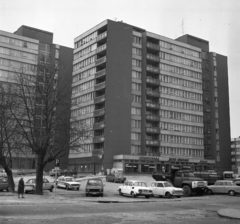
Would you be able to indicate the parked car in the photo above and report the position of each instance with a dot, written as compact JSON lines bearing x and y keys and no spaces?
{"x":115,"y":177}
{"x":53,"y":172}
{"x":26,"y":171}
{"x":3,"y":173}
{"x":224,"y":187}
{"x":69,"y":183}
{"x":4,"y":184}
{"x":165,"y":188}
{"x":30,"y":185}
{"x":135,"y":188}
{"x":94,"y":187}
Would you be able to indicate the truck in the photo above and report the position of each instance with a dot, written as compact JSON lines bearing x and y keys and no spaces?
{"x":185,"y":179}
{"x":212,"y":176}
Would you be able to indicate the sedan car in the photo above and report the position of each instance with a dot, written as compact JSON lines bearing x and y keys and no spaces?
{"x":94,"y":187}
{"x":30,"y":185}
{"x":224,"y":187}
{"x":4,"y":184}
{"x":69,"y":183}
{"x":166,"y":189}
{"x":115,"y":177}
{"x":135,"y":188}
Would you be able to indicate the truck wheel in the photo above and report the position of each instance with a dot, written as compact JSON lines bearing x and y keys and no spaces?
{"x":200,"y":193}
{"x":187,"y":191}
{"x":231,"y":193}
{"x":168,"y":195}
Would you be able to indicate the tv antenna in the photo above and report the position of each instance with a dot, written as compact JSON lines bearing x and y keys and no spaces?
{"x":182,"y":26}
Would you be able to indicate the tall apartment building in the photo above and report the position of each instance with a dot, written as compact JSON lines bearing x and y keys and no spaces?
{"x":150,"y":102}
{"x":235,"y":154}
{"x":26,"y":48}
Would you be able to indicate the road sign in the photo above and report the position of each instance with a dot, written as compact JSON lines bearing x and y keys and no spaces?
{"x":57,"y":162}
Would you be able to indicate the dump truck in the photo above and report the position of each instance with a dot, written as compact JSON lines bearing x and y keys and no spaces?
{"x":185,"y":179}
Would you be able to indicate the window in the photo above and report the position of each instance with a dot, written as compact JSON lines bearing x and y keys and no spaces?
{"x":136,"y":51}
{"x":137,"y":40}
{"x":136,"y":74}
{"x":136,"y":99}
{"x":136,"y":111}
{"x":136,"y":86}
{"x":135,"y":136}
{"x":136,"y":63}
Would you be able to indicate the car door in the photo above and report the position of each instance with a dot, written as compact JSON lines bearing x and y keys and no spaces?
{"x":45,"y":184}
{"x":123,"y":187}
{"x":219,"y":187}
{"x":153,"y":187}
{"x":160,"y":189}
{"x":129,"y":187}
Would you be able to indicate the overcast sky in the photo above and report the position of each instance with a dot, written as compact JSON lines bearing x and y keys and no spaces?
{"x":217,"y":21}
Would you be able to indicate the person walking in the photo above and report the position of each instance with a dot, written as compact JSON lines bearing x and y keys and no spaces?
{"x":21,"y":187}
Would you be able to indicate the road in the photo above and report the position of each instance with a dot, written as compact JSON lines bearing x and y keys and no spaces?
{"x":185,"y":210}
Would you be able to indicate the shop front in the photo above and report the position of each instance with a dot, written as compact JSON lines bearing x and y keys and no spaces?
{"x":148,"y":164}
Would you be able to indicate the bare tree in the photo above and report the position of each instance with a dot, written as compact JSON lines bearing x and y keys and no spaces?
{"x":45,"y":104}
{"x":10,"y":132}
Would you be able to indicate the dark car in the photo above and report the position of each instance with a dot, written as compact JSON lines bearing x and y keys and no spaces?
{"x":116,"y":177}
{"x":4,"y":184}
{"x":94,"y":187}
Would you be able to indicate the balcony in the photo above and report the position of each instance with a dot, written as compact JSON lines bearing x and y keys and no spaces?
{"x":153,"y":46}
{"x":99,"y":112}
{"x":101,"y":61}
{"x":99,"y":86}
{"x":102,"y":48}
{"x":152,"y":142}
{"x":153,"y":105}
{"x":153,"y":57}
{"x":97,"y":152}
{"x":99,"y":99}
{"x":100,"y":73}
{"x":153,"y":69}
{"x":99,"y":125}
{"x":152,"y":117}
{"x":152,"y":130}
{"x":153,"y":81}
{"x":97,"y":139}
{"x":101,"y":36}
{"x":153,"y":93}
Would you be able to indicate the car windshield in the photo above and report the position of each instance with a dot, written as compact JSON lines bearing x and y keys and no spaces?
{"x":167,"y":184}
{"x":69,"y":179}
{"x":140,"y":184}
{"x":188,"y":175}
{"x":94,"y":182}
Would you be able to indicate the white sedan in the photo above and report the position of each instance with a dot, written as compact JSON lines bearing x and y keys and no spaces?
{"x":68,"y":183}
{"x":166,"y":189}
{"x":30,"y":185}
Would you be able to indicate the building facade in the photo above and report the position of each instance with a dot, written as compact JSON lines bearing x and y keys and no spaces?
{"x":150,"y":102}
{"x":25,"y":49}
{"x":235,"y":154}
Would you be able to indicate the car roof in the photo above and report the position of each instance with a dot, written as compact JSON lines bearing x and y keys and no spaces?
{"x":136,"y":181}
{"x":160,"y":182}
{"x":224,"y":181}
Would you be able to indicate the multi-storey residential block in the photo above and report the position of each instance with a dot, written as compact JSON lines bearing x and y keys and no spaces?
{"x":235,"y":154}
{"x":24,"y":50}
{"x":150,"y":102}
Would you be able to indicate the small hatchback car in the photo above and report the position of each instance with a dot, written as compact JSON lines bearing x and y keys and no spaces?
{"x":94,"y":187}
{"x":135,"y":188}
{"x":224,"y":187}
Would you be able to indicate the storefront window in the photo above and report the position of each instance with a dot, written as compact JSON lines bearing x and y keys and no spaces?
{"x":131,"y":167}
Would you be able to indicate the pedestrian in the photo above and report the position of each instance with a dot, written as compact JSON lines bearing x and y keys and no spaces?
{"x":21,"y":187}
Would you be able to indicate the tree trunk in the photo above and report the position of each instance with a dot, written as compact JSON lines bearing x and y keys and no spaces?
{"x":10,"y":179}
{"x":39,"y":175}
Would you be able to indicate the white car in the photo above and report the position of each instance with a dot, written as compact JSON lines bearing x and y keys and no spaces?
{"x":165,"y":188}
{"x":69,"y":183}
{"x":135,"y":188}
{"x":30,"y":185}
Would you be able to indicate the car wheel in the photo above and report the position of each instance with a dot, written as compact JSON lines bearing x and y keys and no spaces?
{"x":26,"y":192}
{"x":51,"y":189}
{"x":78,"y":189}
{"x":120,"y":193}
{"x":86,"y":195}
{"x":187,"y":190}
{"x":67,"y":188}
{"x":231,"y":193}
{"x":168,"y":195}
{"x":178,"y":196}
{"x":133,"y":195}
{"x":114,"y":181}
{"x":7,"y":189}
{"x":209,"y":192}
{"x":101,"y":195}
{"x":146,"y":196}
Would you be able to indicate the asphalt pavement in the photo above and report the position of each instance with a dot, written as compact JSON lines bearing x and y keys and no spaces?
{"x":8,"y":198}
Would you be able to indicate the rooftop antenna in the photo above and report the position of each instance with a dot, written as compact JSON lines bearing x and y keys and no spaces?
{"x":182,"y":26}
{"x":115,"y":19}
